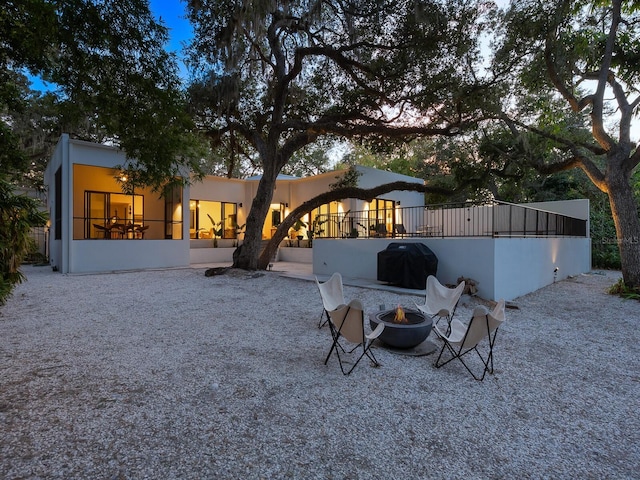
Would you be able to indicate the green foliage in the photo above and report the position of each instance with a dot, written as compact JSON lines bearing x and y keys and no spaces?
{"x":31,"y":127}
{"x":112,"y":77}
{"x":18,"y":214}
{"x":348,"y":179}
{"x":312,"y":159}
{"x":299,"y":225}
{"x":315,"y":230}
{"x":394,"y":156}
{"x":604,"y":244}
{"x":217,"y":229}
{"x":294,"y":73}
{"x":625,"y":291}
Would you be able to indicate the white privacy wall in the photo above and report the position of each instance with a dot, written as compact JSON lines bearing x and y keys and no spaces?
{"x":504,"y":267}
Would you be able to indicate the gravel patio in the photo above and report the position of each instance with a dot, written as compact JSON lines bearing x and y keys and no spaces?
{"x":173,"y":375}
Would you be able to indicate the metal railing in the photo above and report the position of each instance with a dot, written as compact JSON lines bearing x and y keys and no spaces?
{"x":470,"y":219}
{"x":99,"y":228}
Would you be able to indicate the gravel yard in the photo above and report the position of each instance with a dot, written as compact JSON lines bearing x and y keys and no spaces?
{"x":173,"y":375}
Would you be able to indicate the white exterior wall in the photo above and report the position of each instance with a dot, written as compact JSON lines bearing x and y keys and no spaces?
{"x":210,"y":255}
{"x":373,"y":178}
{"x":218,"y":189}
{"x":295,"y":255}
{"x":524,"y":265}
{"x":82,"y":256}
{"x":504,"y":267}
{"x":571,"y":208}
{"x":117,"y":255}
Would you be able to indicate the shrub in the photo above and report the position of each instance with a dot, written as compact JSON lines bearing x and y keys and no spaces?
{"x":621,"y":289}
{"x":18,"y":214}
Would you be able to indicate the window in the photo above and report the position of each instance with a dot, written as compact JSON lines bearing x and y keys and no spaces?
{"x":381,"y":216}
{"x":113,"y":215}
{"x":321,"y":225}
{"x":102,"y":211}
{"x":212,"y":219}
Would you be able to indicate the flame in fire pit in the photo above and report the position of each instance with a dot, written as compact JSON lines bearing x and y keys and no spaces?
{"x":400,"y":317}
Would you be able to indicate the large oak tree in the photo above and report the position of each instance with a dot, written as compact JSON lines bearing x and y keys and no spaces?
{"x":282,"y":74}
{"x":583,"y":54}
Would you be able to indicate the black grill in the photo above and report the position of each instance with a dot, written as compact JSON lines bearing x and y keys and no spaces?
{"x":407,"y":265}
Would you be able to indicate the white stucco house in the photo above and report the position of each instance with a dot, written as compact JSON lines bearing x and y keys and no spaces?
{"x":96,"y":227}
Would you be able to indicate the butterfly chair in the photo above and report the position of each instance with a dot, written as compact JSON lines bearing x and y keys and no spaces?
{"x":441,"y":301}
{"x":347,"y":322}
{"x":332,"y":296}
{"x":463,"y":339}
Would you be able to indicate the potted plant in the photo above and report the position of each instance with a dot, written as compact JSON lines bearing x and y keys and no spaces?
{"x":217,"y":230}
{"x":315,"y":230}
{"x":297,"y":229}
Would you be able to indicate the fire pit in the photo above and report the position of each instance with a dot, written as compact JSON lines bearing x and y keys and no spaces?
{"x":405,"y":329}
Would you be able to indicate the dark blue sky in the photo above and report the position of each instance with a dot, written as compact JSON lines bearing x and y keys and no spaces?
{"x":172,"y":13}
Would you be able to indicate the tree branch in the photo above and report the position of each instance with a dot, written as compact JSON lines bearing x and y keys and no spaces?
{"x":576,"y":105}
{"x":597,"y":122}
{"x":572,"y":146}
{"x":576,"y":160}
{"x":336,"y":195}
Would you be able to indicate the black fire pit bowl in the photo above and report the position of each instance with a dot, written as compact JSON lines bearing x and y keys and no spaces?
{"x":402,"y":335}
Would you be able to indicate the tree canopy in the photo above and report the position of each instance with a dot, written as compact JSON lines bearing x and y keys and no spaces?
{"x":110,"y":76}
{"x":281,"y":75}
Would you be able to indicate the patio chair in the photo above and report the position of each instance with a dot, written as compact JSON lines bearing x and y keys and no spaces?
{"x":104,"y":230}
{"x":140,"y":230}
{"x":463,"y":339}
{"x":440,"y":301}
{"x":332,"y":295}
{"x":347,"y":322}
{"x":381,"y":230}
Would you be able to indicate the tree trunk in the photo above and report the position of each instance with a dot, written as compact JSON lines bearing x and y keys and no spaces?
{"x":625,"y":217}
{"x":270,"y":250}
{"x":246,"y":256}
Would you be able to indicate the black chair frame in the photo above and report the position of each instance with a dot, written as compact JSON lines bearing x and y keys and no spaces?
{"x":460,"y":352}
{"x":366,"y":347}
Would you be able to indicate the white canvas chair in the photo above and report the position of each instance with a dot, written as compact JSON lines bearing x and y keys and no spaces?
{"x":347,"y":322}
{"x":332,"y":295}
{"x":440,"y":301}
{"x":463,"y":339}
